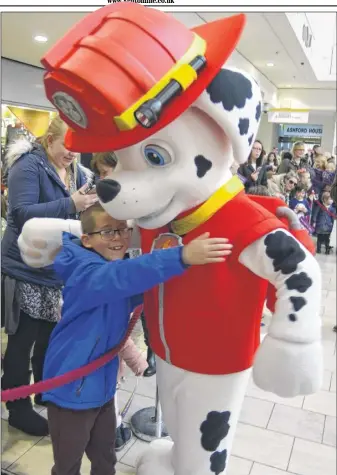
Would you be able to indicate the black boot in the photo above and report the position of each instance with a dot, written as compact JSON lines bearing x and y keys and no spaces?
{"x":123,"y":436}
{"x":151,"y":360}
{"x":23,"y":417}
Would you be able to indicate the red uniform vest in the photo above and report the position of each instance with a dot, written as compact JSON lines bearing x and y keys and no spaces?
{"x":210,"y":316}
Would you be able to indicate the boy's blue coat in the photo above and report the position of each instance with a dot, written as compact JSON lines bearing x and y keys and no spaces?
{"x":98,"y":299}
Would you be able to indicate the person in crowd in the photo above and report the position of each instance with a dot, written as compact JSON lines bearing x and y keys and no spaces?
{"x":304,"y":178}
{"x":259,"y":190}
{"x":283,"y":185}
{"x":323,"y":218}
{"x":272,"y":161}
{"x":250,"y":170}
{"x":285,"y":155}
{"x":316,"y":150}
{"x":334,"y":190}
{"x":317,"y":176}
{"x":44,"y":181}
{"x":296,"y":162}
{"x":299,"y":204}
{"x":329,"y":173}
{"x":333,"y":195}
{"x":101,"y":288}
{"x":103,"y":164}
{"x":275,"y":151}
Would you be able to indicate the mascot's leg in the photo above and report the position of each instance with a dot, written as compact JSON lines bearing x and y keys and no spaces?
{"x":201,"y":413}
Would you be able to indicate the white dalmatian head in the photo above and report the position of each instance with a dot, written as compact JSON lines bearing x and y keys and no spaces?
{"x":182,"y":165}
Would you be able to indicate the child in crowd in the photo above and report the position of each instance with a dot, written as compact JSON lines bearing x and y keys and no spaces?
{"x":299,"y":203}
{"x":323,"y":221}
{"x":329,"y":174}
{"x":102,"y":164}
{"x":101,"y":289}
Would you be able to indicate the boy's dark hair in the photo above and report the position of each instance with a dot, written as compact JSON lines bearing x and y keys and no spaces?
{"x":88,"y":220}
{"x":299,"y":188}
{"x":108,"y":159}
{"x":287,"y":156}
{"x":260,"y":190}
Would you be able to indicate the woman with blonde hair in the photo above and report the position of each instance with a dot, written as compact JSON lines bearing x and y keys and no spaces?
{"x":44,"y":180}
{"x":297,"y":161}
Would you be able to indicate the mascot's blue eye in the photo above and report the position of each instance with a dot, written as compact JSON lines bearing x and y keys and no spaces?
{"x":157,"y":156}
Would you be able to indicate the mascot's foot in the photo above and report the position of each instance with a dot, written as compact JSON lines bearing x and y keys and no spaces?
{"x":156,"y":459}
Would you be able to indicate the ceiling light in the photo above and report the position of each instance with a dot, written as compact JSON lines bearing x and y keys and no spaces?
{"x":270,"y":65}
{"x":40,"y":38}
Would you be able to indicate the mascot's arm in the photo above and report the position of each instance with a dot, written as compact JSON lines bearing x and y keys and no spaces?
{"x":289,"y":361}
{"x":291,"y":219}
{"x":41,"y":239}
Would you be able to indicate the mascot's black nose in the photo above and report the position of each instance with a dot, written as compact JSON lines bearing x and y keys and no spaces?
{"x":107,"y":190}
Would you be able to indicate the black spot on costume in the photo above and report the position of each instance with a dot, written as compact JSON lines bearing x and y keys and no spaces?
{"x":243,"y":126}
{"x":258,"y":112}
{"x":203,"y":165}
{"x":298,"y":303}
{"x":214,"y":429}
{"x":218,"y":462}
{"x":292,"y":317}
{"x":250,"y":140}
{"x":285,"y":252}
{"x":230,"y":88}
{"x":300,"y":282}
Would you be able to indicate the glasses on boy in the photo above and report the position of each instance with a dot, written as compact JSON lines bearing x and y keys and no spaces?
{"x":110,"y":234}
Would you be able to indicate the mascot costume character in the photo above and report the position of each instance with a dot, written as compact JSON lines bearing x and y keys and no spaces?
{"x":136,"y":81}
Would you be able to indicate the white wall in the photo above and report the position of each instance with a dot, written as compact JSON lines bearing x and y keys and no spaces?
{"x":23,"y":85}
{"x":313,"y":99}
{"x":328,"y":120}
{"x":267,"y":133}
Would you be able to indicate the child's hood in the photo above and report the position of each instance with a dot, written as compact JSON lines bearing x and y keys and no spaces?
{"x":72,"y":256}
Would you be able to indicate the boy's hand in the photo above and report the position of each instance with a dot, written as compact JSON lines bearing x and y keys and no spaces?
{"x":206,"y":250}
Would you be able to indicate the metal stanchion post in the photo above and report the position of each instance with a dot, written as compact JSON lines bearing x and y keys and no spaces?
{"x":147,"y":424}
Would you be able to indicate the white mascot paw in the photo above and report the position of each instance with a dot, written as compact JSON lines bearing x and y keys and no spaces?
{"x":41,"y":239}
{"x":156,"y":459}
{"x":288,"y":369}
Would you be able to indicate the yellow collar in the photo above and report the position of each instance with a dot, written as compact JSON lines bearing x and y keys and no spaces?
{"x":202,"y":214}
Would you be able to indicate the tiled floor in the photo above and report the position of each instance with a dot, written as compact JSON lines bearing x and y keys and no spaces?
{"x":275,"y":436}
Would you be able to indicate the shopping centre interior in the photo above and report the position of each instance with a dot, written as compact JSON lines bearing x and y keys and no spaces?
{"x":292,"y":57}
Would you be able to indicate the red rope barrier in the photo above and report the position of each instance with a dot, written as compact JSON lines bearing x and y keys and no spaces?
{"x":332,"y":215}
{"x":44,"y":386}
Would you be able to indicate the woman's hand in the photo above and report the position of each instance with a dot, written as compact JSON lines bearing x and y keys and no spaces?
{"x":83,"y":201}
{"x":254,"y":176}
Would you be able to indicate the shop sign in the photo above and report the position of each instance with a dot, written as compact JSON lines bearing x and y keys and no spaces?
{"x":291,"y":116}
{"x":298,"y":130}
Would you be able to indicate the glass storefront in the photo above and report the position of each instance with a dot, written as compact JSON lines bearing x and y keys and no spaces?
{"x":20,"y":122}
{"x":309,"y":134}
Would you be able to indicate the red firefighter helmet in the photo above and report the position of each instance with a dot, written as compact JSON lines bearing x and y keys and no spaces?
{"x":126,"y":71}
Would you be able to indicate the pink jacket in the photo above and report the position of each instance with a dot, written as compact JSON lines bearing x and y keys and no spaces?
{"x":130,"y":355}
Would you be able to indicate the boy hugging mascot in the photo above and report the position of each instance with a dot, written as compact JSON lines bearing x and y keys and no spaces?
{"x":136,"y":81}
